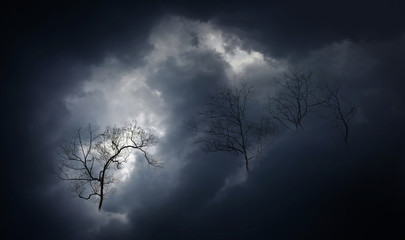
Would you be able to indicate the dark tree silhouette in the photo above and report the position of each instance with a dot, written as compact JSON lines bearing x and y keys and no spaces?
{"x":342,"y":110}
{"x":225,"y":124}
{"x":298,"y":95}
{"x":89,"y":160}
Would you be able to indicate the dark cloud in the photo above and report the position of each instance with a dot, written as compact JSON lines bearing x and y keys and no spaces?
{"x":65,"y":65}
{"x":293,"y":27}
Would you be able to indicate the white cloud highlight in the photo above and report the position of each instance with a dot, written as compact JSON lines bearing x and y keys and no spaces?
{"x":115,"y":94}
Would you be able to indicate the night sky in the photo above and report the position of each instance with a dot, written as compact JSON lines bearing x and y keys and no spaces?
{"x":67,"y":65}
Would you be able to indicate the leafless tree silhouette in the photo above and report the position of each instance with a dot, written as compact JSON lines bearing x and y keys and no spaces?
{"x":225,"y":125}
{"x":298,"y":95}
{"x":89,"y":160}
{"x":342,"y":110}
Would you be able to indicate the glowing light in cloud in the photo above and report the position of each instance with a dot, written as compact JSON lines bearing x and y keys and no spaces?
{"x":114,"y":94}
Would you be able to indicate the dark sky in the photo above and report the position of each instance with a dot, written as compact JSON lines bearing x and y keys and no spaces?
{"x":66,"y":65}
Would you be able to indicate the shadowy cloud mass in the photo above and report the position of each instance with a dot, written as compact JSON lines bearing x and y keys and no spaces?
{"x":68,"y":65}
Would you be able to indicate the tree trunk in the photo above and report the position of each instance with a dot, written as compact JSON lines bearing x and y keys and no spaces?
{"x":246,"y":163}
{"x":346,"y":132}
{"x":101,"y":192}
{"x":101,"y":202}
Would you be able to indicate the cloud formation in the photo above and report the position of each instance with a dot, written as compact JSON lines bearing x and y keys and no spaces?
{"x":305,"y":185}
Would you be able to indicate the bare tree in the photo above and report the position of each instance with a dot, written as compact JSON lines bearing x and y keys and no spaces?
{"x":225,"y":125}
{"x":89,"y":160}
{"x":298,"y":95}
{"x":342,"y":110}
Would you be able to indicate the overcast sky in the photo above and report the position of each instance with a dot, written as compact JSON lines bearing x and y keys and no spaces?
{"x":156,"y":62}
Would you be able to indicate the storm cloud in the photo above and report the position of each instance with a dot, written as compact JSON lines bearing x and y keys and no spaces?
{"x":157,"y":63}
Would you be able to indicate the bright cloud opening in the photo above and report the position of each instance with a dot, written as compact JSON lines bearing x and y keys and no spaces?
{"x":115,"y":94}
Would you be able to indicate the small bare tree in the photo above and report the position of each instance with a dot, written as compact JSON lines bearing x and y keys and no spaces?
{"x":89,"y":160}
{"x":225,"y":125}
{"x":342,"y":110}
{"x":298,"y":95}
